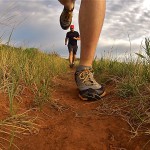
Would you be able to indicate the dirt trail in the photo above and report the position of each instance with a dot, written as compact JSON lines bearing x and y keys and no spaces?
{"x":71,"y":124}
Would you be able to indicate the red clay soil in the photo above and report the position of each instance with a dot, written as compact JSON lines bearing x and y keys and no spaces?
{"x":71,"y":124}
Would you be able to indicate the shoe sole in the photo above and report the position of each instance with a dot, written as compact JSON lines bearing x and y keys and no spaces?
{"x":61,"y":24}
{"x":86,"y":99}
{"x":64,"y":27}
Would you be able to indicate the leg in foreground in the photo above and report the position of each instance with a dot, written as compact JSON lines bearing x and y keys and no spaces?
{"x":91,"y":17}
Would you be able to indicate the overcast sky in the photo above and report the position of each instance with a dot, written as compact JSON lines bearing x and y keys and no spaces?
{"x":36,"y":24}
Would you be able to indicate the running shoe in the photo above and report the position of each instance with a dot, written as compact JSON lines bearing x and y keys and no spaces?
{"x":89,"y":89}
{"x":66,"y":17}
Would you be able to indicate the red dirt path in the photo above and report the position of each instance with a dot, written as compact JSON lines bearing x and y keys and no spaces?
{"x":71,"y":124}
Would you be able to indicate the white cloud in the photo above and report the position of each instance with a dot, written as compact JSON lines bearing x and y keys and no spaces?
{"x":40,"y":26}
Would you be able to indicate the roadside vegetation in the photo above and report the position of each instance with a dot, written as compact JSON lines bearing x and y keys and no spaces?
{"x":20,"y":68}
{"x":130,"y":81}
{"x":32,"y":72}
{"x":24,"y":71}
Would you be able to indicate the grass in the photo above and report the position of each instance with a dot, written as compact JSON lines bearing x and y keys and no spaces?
{"x":132,"y":77}
{"x":30,"y":68}
{"x":131,"y":84}
{"x":22,"y":69}
{"x":34,"y":70}
{"x":12,"y":127}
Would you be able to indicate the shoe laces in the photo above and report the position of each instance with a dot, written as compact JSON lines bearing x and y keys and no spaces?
{"x":86,"y":77}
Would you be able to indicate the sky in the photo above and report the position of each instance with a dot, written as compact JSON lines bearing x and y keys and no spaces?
{"x":35,"y":23}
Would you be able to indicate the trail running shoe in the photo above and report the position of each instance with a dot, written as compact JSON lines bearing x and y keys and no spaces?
{"x":66,"y":18}
{"x":89,"y":89}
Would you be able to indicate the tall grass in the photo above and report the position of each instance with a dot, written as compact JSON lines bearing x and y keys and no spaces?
{"x":25,"y":69}
{"x":131,"y":83}
{"x":20,"y":68}
{"x":132,"y":77}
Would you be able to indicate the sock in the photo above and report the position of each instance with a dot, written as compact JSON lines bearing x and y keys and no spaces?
{"x":80,"y":68}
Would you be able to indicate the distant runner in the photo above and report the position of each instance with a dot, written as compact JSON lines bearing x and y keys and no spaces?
{"x":72,"y":37}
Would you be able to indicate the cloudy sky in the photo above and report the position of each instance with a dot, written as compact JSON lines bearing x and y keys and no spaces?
{"x":36,"y":24}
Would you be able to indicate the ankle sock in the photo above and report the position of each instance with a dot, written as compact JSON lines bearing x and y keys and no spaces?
{"x":80,"y":67}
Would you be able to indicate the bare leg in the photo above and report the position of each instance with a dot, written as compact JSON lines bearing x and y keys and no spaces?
{"x":74,"y":57}
{"x":91,"y":17}
{"x":71,"y":57}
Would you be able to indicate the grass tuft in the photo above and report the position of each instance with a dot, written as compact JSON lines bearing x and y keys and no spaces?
{"x":131,"y":81}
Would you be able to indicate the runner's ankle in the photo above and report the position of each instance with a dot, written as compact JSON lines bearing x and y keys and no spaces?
{"x":81,"y":67}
